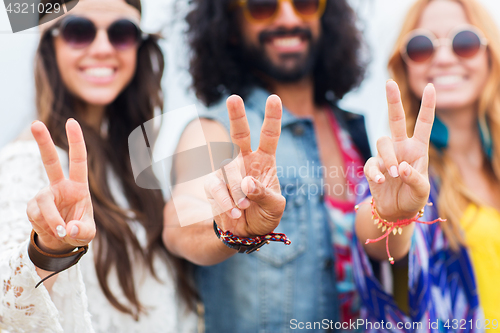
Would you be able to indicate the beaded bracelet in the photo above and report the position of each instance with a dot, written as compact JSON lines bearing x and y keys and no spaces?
{"x":248,"y":245}
{"x":394,"y":227}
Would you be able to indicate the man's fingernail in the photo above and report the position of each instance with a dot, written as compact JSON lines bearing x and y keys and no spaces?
{"x":378,"y":178}
{"x":243,"y":203}
{"x":394,"y":171}
{"x":251,"y":186}
{"x":74,"y":231}
{"x":61,"y":231}
{"x":235,"y":213}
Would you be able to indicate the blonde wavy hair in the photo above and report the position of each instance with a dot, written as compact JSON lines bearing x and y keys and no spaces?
{"x":454,"y":196}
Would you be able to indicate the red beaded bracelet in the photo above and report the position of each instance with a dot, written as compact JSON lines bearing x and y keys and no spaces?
{"x":394,"y":227}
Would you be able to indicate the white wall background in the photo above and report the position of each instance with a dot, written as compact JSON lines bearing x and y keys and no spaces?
{"x":381,"y":19}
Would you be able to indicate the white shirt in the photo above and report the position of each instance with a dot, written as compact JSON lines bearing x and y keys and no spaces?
{"x":76,"y":302}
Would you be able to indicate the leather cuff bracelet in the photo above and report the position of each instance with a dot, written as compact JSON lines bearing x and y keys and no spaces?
{"x":248,"y":245}
{"x":53,"y":262}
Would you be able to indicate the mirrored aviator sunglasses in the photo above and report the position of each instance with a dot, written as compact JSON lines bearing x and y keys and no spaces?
{"x":80,"y":32}
{"x":266,"y":10}
{"x":466,"y":42}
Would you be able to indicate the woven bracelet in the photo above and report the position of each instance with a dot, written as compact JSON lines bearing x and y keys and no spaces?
{"x":247,"y":244}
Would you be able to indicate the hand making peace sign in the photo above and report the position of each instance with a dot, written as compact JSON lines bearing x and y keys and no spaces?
{"x":61,"y":214}
{"x":398,"y":175}
{"x":257,"y":192}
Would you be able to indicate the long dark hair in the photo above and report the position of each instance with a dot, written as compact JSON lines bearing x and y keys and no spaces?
{"x":136,"y":104}
{"x":218,"y":66}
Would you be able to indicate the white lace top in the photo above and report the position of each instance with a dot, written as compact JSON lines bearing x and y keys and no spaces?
{"x":76,"y":302}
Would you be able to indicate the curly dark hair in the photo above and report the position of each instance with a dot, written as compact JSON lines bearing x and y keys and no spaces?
{"x":218,"y":66}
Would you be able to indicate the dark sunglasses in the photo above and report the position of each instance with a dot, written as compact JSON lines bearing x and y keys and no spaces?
{"x":80,"y":32}
{"x":466,"y":42}
{"x":266,"y":10}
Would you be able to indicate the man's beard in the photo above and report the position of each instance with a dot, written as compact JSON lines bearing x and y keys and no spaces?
{"x":257,"y":59}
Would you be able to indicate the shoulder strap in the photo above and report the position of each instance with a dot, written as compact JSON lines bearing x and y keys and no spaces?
{"x":355,"y":125}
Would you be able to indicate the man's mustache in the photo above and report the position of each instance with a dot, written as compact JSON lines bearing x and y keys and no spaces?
{"x":267,"y":35}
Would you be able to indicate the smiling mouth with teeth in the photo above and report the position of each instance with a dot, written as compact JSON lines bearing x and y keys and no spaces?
{"x":287,"y":41}
{"x":447,"y":80}
{"x":99,"y":72}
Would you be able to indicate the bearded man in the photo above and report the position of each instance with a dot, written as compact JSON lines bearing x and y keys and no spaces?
{"x":308,"y":53}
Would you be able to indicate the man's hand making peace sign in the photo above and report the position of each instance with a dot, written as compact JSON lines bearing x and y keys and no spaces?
{"x":245,"y":199}
{"x":253,"y":204}
{"x":398,"y":175}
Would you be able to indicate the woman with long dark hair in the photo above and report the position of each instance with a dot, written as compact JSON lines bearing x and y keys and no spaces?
{"x":94,"y":65}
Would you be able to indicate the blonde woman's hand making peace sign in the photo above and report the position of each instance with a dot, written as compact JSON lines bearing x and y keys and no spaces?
{"x":398,"y":175}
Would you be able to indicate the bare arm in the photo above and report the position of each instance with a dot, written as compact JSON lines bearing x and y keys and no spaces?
{"x":366,"y":229}
{"x":197,"y":242}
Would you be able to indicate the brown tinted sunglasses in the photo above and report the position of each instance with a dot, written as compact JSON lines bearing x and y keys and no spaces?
{"x":267,"y":10}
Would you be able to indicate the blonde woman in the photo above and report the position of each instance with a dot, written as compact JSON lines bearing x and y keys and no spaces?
{"x":451,"y":266}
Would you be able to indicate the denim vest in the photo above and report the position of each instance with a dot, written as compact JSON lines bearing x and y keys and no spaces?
{"x":275,"y":289}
